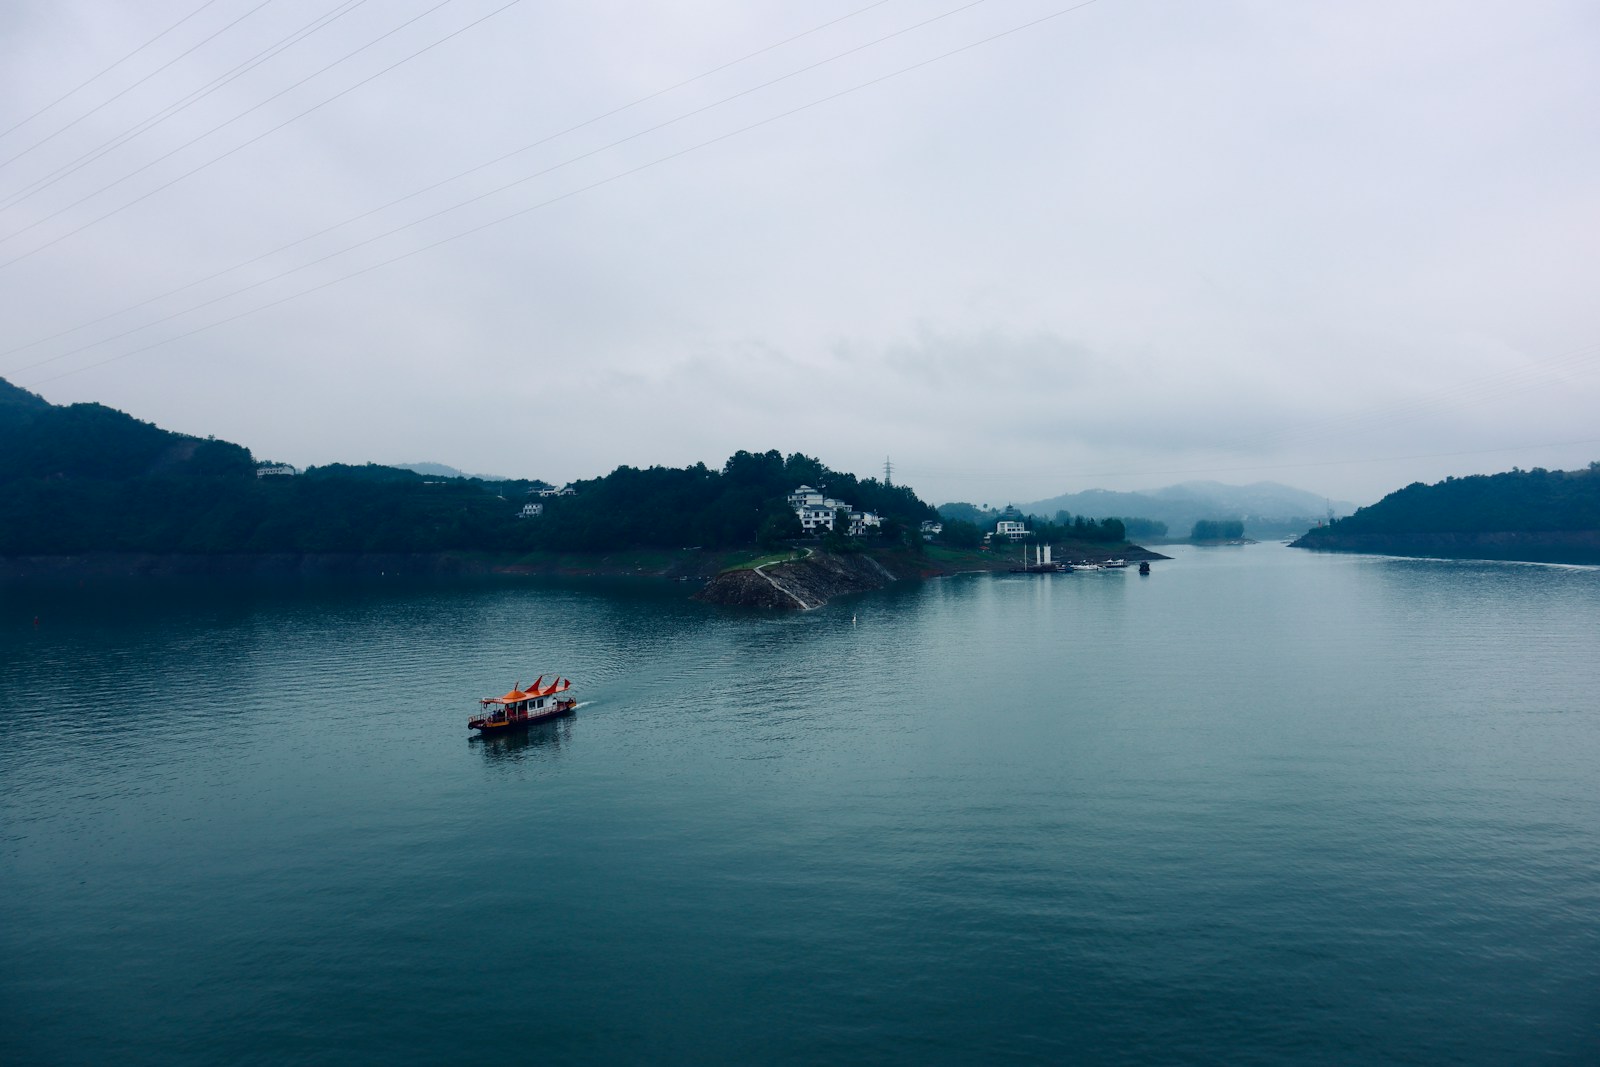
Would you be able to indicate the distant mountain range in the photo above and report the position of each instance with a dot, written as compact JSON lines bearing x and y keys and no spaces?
{"x":440,"y":470}
{"x":1267,"y":509}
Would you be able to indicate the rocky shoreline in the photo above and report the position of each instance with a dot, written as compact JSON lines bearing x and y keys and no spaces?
{"x":804,"y":584}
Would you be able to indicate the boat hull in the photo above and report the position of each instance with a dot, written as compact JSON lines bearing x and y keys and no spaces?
{"x":490,"y":726}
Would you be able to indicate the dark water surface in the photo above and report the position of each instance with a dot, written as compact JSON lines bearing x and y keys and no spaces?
{"x":1262,"y":806}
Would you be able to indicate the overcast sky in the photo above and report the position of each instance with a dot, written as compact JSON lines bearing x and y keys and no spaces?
{"x":1343,"y":246}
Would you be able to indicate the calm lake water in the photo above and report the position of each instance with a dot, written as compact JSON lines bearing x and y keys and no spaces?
{"x":1262,"y":806}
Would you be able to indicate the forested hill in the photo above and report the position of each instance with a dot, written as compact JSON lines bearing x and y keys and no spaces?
{"x":91,"y":441}
{"x":743,"y":503}
{"x":1534,"y":515}
{"x":87,"y":478}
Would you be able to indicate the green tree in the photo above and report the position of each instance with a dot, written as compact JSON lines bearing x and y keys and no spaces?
{"x":958,"y":533}
{"x":1217,"y":530}
{"x":838,"y":539}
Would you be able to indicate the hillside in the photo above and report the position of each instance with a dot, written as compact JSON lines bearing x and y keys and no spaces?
{"x":86,"y":478}
{"x":40,"y":440}
{"x":1537,"y":515}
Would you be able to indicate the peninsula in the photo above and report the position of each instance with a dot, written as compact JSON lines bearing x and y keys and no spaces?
{"x":1537,"y":515}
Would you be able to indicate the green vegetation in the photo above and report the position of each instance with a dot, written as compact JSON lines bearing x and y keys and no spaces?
{"x":958,"y":533}
{"x":87,"y":478}
{"x":744,"y":561}
{"x":1143,"y":530}
{"x":743,"y":503}
{"x":1217,"y":530}
{"x":963,"y":522}
{"x":1105,"y":531}
{"x":1516,"y":501}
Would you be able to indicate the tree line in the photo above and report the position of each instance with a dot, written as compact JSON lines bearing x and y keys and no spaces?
{"x":1516,"y":500}
{"x":86,"y":478}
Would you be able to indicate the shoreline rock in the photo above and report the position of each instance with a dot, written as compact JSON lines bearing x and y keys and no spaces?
{"x":809,"y":583}
{"x":803,"y":584}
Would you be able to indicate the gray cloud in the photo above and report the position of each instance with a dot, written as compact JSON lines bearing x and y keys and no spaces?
{"x":1134,"y":242}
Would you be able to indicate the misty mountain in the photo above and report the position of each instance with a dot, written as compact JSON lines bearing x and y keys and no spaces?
{"x":1268,"y":509}
{"x":440,"y":470}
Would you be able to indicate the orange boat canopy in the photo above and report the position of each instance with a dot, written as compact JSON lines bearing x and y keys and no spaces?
{"x":533,"y":691}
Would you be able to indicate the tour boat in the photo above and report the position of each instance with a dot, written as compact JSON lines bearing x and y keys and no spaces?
{"x":521,"y":708}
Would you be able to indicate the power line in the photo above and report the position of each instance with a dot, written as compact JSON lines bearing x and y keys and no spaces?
{"x":652,"y":129}
{"x":251,"y":141}
{"x":502,"y":188}
{"x":436,"y":185}
{"x":84,"y":84}
{"x":283,"y":44}
{"x":1031,"y":24}
{"x":117,"y":96}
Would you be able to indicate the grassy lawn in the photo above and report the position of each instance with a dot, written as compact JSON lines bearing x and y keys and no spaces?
{"x":749,"y":559}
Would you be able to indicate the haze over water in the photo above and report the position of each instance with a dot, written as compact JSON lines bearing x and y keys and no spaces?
{"x":1261,"y":806}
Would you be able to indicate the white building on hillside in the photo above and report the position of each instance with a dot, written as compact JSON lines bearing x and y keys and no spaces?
{"x":1010,"y":530}
{"x":817,"y":510}
{"x":861,"y":521}
{"x":814,"y":518}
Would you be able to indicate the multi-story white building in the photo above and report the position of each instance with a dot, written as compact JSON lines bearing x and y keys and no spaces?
{"x":1010,"y":530}
{"x":815,"y":518}
{"x":817,"y":510}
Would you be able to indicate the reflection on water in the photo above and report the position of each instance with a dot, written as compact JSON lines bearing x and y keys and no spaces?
{"x":541,"y":740}
{"x":1261,"y":807}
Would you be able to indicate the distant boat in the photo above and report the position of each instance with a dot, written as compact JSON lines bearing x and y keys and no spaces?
{"x":520,"y":708}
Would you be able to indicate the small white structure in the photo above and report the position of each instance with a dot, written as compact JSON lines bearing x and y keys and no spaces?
{"x":1010,"y":530}
{"x":531,"y":510}
{"x":861,"y":520}
{"x":276,"y":470}
{"x":931,"y":529}
{"x":565,"y":490}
